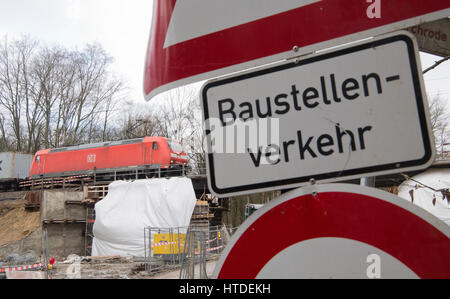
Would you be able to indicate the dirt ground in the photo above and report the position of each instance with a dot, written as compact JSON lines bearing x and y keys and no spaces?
{"x":115,"y":268}
{"x":19,"y":222}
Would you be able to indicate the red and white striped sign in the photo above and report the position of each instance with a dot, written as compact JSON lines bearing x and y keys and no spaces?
{"x":196,"y":40}
{"x":20,"y":268}
{"x":338,"y":231}
{"x":165,"y":243}
{"x":211,"y":249}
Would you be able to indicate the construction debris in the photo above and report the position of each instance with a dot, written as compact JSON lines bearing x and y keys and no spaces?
{"x":98,"y":267}
{"x":61,"y":220}
{"x":23,"y":259}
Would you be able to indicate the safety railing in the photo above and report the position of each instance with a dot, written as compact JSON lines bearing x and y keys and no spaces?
{"x":164,"y":248}
{"x":185,"y":248}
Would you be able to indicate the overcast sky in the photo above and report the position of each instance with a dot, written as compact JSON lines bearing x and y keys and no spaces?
{"x":122,"y":27}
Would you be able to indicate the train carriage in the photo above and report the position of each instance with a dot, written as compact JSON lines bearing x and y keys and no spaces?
{"x":148,"y":152}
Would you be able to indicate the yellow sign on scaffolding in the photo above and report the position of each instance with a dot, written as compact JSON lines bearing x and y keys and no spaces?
{"x":168,"y":243}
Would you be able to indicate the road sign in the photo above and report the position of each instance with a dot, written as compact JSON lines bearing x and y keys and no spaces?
{"x":343,"y":114}
{"x":433,"y":37}
{"x":338,"y":231}
{"x":196,"y":40}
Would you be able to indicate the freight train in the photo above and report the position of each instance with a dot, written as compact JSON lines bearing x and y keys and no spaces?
{"x":14,"y":168}
{"x":141,"y":155}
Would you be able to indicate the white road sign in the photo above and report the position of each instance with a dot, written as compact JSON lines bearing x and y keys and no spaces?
{"x":433,"y":37}
{"x":347,"y":113}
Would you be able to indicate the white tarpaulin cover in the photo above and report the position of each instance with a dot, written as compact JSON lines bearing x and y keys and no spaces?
{"x":129,"y":207}
{"x":419,"y":190}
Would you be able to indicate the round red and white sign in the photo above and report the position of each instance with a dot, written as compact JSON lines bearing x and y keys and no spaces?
{"x":338,"y":231}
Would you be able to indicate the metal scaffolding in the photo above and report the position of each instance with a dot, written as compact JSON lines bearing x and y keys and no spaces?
{"x":45,"y":251}
{"x":88,"y":233}
{"x":164,"y":248}
{"x":184,"y":248}
{"x":202,"y":245}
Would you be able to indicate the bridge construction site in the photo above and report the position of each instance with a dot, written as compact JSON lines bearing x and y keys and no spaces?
{"x":48,"y":228}
{"x":59,"y":220}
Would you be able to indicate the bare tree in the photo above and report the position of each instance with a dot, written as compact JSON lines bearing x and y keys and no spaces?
{"x":47,"y":72}
{"x":86,"y":93}
{"x":175,"y":115}
{"x":177,"y":111}
{"x":439,"y":124}
{"x":139,"y":121}
{"x":4,"y":142}
{"x":109,"y":103}
{"x":181,"y":120}
{"x":16,"y":85}
{"x":52,"y":97}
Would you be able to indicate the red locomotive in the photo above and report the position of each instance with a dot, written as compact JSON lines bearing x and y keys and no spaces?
{"x":142,"y":153}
